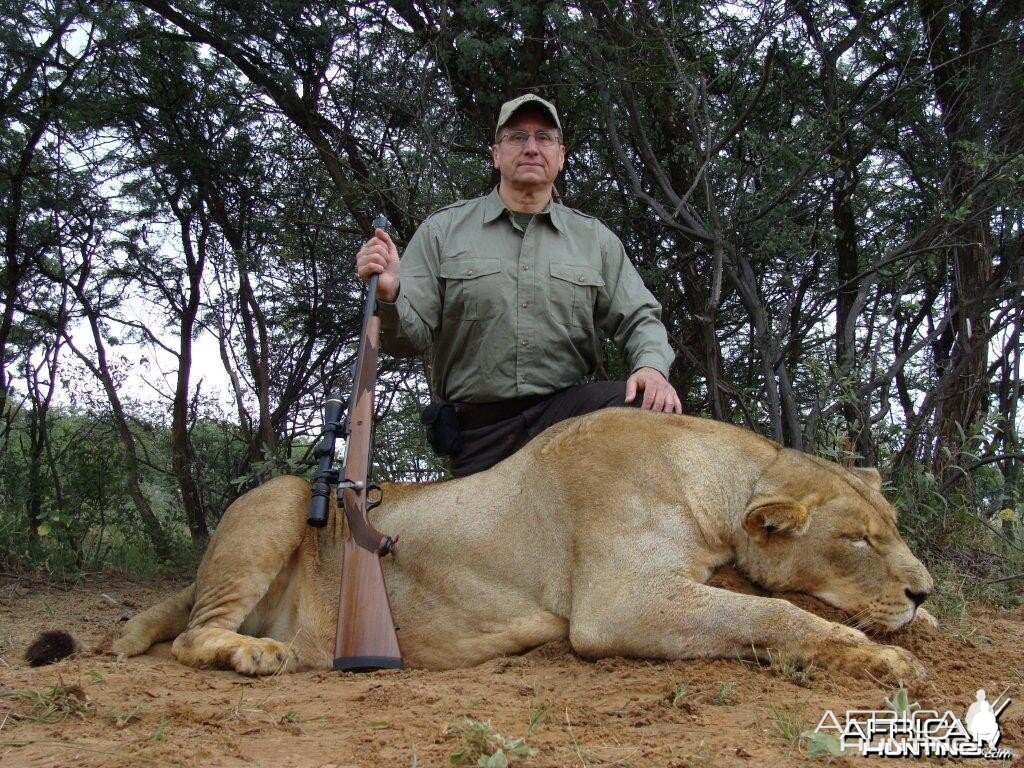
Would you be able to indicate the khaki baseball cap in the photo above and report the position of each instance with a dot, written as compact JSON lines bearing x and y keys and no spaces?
{"x":509,"y":108}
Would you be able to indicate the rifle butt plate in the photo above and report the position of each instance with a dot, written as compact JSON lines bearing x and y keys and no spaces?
{"x":367,"y":663}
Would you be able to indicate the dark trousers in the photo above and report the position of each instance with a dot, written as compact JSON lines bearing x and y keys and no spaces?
{"x":486,"y":442}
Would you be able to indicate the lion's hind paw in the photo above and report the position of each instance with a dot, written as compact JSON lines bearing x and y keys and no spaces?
{"x":125,"y":646}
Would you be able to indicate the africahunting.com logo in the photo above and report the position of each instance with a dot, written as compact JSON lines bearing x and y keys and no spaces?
{"x":906,"y":730}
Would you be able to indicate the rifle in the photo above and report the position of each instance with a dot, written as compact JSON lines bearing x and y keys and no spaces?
{"x":367,"y":637}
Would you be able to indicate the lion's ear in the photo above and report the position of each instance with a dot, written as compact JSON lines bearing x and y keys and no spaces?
{"x":766,"y":516}
{"x":869,"y":475}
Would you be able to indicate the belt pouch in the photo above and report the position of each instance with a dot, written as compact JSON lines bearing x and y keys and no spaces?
{"x":442,"y":424}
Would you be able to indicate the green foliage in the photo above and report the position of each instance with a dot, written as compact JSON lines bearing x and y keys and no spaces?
{"x":218,"y":453}
{"x":874,"y":189}
{"x":484,"y":747}
{"x":725,"y":694}
{"x":899,"y":702}
{"x":967,"y":539}
{"x":787,"y":723}
{"x":790,"y":726}
{"x":821,"y":744}
{"x":50,"y":705}
{"x":84,"y":518}
{"x":402,"y":452}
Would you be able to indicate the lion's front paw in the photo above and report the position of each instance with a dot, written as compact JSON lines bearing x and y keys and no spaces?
{"x":888,"y":664}
{"x":263,"y":656}
{"x":893,"y":664}
{"x":924,"y":618}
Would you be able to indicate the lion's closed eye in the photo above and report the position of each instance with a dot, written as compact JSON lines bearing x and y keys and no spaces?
{"x":857,"y":539}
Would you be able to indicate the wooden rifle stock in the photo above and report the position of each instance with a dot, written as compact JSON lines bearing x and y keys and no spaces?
{"x":366,"y":637}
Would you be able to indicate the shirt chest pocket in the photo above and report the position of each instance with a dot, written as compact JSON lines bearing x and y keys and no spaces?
{"x":472,"y":288}
{"x":574,"y":290}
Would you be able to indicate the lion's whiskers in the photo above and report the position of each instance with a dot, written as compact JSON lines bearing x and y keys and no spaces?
{"x":861,"y":619}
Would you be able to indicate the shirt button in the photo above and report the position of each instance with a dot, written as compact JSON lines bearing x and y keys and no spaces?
{"x":526,"y":267}
{"x":526,"y":343}
{"x":578,"y":277}
{"x":469,"y":271}
{"x":525,"y":305}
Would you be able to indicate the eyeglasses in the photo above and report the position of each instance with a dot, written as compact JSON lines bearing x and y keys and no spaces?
{"x":519,"y":139}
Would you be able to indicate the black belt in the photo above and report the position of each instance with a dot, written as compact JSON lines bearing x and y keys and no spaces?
{"x":479,"y":415}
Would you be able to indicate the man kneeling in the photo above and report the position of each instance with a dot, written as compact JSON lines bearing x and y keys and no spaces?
{"x":511,"y":291}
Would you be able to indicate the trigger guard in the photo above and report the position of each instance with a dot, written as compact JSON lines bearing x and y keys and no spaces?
{"x":371,"y":503}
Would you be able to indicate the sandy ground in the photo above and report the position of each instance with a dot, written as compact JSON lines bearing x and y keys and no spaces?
{"x":153,"y":711}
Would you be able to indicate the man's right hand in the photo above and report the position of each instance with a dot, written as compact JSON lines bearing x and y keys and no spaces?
{"x":379,"y":256}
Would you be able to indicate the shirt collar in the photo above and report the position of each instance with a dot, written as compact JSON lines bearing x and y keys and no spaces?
{"x":495,"y":207}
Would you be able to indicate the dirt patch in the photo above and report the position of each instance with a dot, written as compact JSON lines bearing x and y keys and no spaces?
{"x":94,"y":711}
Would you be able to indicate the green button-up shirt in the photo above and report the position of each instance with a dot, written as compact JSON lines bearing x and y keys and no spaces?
{"x":509,"y":313}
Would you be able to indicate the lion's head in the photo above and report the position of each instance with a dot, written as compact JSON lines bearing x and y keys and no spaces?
{"x":815,"y":527}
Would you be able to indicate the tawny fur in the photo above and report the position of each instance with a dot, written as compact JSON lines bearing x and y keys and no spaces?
{"x":603,"y":530}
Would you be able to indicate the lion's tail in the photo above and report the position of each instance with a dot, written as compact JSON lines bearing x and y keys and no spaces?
{"x":164,"y":621}
{"x":51,"y":647}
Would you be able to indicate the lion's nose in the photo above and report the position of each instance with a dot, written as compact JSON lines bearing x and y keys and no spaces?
{"x":916,"y":597}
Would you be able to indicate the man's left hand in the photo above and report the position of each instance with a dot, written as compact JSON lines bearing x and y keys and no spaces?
{"x":659,"y":395}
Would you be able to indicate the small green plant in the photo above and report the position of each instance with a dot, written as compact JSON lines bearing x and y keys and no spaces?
{"x":484,"y":747}
{"x":726,"y":694}
{"x":293,"y":720}
{"x":537,"y":716}
{"x":52,"y":705}
{"x":790,"y":727}
{"x":899,"y":702}
{"x":820,"y":744}
{"x":241,"y":711}
{"x":161,"y":730}
{"x":787,"y":724}
{"x":681,"y":694}
{"x":791,"y":669}
{"x":120,"y":719}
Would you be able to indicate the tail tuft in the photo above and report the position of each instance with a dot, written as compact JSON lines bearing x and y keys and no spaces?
{"x":50,"y":647}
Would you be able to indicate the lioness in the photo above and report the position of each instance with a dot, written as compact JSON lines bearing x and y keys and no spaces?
{"x":602,"y":530}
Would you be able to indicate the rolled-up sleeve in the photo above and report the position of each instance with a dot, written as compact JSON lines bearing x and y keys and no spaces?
{"x":630,"y":315}
{"x":409,"y":325}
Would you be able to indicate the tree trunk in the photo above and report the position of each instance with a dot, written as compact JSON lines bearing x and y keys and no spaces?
{"x":963,"y":390}
{"x":101,"y":370}
{"x":182,"y":458}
